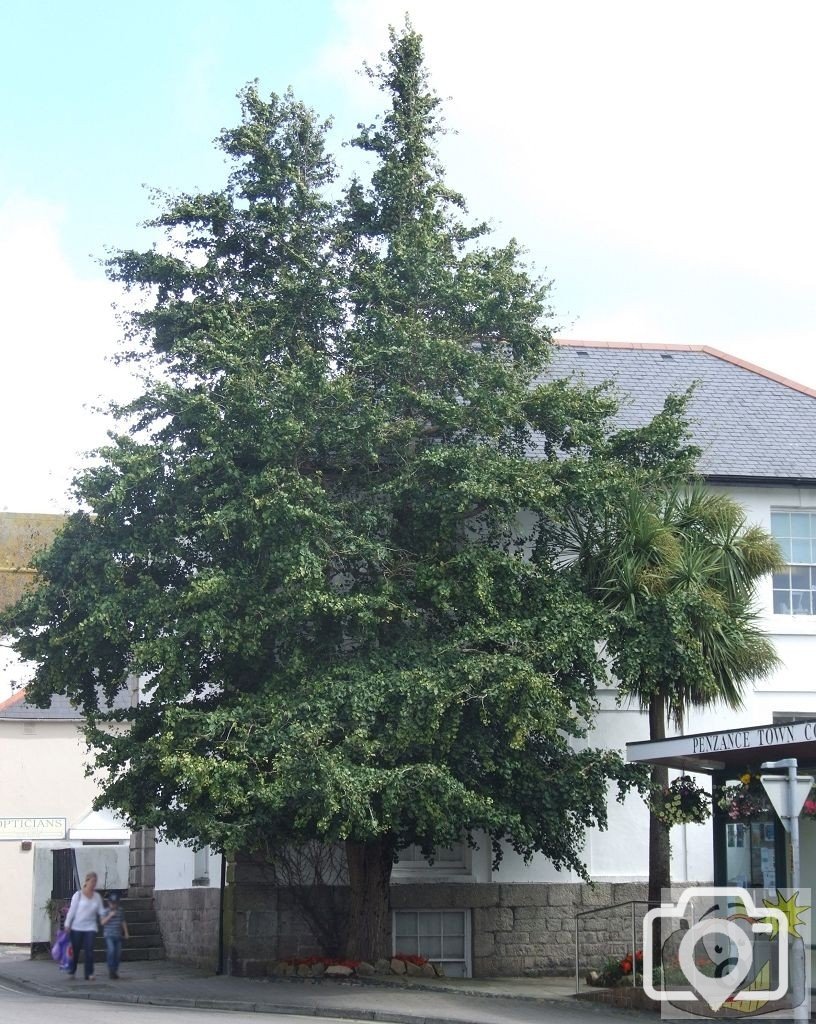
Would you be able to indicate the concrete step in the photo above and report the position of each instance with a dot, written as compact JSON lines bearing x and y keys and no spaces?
{"x":132,"y":904}
{"x":129,"y":955}
{"x":134,"y":942}
{"x":137,"y":891}
{"x":142,"y":916}
{"x":145,"y":942}
{"x":132,"y":955}
{"x":144,"y":927}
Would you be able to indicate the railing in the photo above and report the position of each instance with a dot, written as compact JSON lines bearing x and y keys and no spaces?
{"x":632,"y":904}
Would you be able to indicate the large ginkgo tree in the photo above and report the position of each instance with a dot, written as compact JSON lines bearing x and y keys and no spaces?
{"x":325,"y":537}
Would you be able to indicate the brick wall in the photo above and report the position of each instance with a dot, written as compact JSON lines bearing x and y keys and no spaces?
{"x":188,"y":920}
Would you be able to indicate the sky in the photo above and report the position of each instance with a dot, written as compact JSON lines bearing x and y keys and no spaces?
{"x":656,"y":160}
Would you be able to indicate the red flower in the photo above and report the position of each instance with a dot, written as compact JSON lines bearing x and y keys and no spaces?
{"x":411,"y":958}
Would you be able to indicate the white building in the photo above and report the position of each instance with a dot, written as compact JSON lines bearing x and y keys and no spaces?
{"x":50,"y":836}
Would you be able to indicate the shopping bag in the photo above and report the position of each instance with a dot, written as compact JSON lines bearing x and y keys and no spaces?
{"x":67,"y":957}
{"x":62,"y":941}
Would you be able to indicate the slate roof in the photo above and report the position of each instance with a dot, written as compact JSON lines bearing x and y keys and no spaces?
{"x":61,"y":710}
{"x":751,"y":424}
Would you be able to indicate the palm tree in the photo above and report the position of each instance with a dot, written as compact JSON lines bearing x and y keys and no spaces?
{"x":676,"y":570}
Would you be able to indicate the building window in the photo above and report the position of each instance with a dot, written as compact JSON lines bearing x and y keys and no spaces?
{"x":201,"y":866}
{"x":791,"y":717}
{"x":443,"y":936}
{"x":794,"y":588}
{"x":735,"y":835}
{"x":446,"y":858}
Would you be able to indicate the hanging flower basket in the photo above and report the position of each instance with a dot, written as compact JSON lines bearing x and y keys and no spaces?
{"x":679,"y":803}
{"x":809,"y":806}
{"x":745,"y":800}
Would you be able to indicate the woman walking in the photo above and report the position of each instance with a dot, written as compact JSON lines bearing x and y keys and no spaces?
{"x":82,"y":920}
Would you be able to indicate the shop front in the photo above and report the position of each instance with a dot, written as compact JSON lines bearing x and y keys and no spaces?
{"x":750,"y":844}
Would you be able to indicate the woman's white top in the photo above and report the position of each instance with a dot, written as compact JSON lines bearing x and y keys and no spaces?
{"x":84,"y":913}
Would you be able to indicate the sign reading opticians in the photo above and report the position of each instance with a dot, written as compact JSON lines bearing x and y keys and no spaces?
{"x":32,"y":828}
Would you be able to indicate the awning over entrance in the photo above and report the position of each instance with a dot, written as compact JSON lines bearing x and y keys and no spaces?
{"x":730,"y":748}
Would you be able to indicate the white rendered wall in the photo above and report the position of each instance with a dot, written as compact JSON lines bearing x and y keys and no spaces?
{"x":42,"y":765}
{"x":621,"y":852}
{"x":175,"y":866}
{"x":110,"y":862}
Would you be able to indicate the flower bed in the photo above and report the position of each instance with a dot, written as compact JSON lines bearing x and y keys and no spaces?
{"x":401,"y":964}
{"x":617,"y":972}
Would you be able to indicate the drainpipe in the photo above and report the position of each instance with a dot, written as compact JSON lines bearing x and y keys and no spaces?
{"x":220,"y":968}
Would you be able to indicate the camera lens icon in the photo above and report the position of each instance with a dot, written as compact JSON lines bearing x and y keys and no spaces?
{"x":718,"y":937}
{"x":727,"y":944}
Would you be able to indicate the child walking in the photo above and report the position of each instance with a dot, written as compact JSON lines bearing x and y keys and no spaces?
{"x":114,"y":928}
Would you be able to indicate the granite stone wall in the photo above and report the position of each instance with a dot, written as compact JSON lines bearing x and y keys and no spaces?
{"x":266,"y":923}
{"x":142,"y":865}
{"x":188,"y":921}
{"x":529,"y":929}
{"x":517,"y":930}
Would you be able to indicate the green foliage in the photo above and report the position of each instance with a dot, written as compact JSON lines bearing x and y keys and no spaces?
{"x":318,"y":537}
{"x":677,"y":568}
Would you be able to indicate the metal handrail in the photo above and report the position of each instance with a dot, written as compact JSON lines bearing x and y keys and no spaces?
{"x":600,"y":910}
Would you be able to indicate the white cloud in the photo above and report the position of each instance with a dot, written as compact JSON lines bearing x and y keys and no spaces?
{"x":679,"y":128}
{"x":677,"y":134}
{"x":57,"y":329}
{"x":637,"y":324}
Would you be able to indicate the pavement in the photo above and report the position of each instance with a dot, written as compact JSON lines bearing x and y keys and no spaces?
{"x":399,"y":1001}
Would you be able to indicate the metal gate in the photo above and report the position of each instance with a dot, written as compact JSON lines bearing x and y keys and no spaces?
{"x":65,"y":881}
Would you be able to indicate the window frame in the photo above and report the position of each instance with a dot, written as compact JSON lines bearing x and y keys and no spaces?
{"x":786,"y":543}
{"x":466,"y":960}
{"x":419,"y":864}
{"x":201,"y":859}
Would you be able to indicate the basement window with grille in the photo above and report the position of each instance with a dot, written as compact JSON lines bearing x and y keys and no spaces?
{"x":442,"y":936}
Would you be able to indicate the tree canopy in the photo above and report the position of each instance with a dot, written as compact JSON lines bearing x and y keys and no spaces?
{"x":326,"y":535}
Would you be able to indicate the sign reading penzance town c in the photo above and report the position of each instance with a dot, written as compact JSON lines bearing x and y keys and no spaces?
{"x":749,"y":739}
